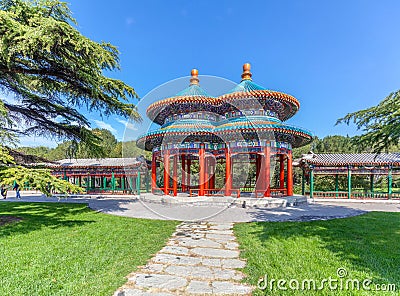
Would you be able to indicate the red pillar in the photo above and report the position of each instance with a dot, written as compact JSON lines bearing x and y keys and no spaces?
{"x":228,"y":176}
{"x":175,"y":176}
{"x":212,"y":179}
{"x":267,"y":171}
{"x":212,"y":185}
{"x":153,"y":173}
{"x":289,"y":175}
{"x":206,"y":175}
{"x":201,"y":169}
{"x":261,"y":174}
{"x":188,"y":163}
{"x":258,"y":167}
{"x":281,"y":171}
{"x":166,"y":172}
{"x":183,"y":174}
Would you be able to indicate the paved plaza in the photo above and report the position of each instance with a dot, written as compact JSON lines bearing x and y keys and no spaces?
{"x":131,"y":206}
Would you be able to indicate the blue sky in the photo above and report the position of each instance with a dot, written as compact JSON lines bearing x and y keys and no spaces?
{"x":335,"y":57}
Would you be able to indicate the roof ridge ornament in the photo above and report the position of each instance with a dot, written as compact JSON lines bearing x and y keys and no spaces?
{"x":246,"y":75}
{"x":194,"y":80}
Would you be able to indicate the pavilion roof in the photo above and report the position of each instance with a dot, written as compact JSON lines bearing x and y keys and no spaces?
{"x":191,"y":99}
{"x":352,"y":159}
{"x":246,"y":86}
{"x":92,"y":162}
{"x":250,"y":95}
{"x":193,"y":90}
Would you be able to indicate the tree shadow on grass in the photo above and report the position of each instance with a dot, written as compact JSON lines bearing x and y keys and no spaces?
{"x":369,"y":243}
{"x":35,"y":216}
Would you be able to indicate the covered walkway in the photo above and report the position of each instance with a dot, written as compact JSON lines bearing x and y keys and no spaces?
{"x":374,"y":173}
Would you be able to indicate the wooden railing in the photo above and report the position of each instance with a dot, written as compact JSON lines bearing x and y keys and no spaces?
{"x":247,"y":189}
{"x":274,"y":192}
{"x":355,"y":195}
{"x":330,"y":194}
{"x":160,"y":190}
{"x":157,"y":190}
{"x":278,"y":192}
{"x":396,"y":195}
{"x":259,"y":193}
{"x":214,"y":192}
{"x":107,"y":191}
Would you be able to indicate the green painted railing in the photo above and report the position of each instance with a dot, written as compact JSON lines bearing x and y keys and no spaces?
{"x":354,"y":194}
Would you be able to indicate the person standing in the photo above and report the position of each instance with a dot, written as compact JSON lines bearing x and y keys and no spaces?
{"x":17,"y":190}
{"x":3,"y":191}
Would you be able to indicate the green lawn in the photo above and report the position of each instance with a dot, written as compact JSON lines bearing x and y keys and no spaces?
{"x":68,"y":249}
{"x":367,"y":246}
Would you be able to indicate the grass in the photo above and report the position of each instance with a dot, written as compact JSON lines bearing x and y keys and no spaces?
{"x":68,"y":249}
{"x":367,"y":246}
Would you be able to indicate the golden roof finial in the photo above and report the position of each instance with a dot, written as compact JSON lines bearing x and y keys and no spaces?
{"x":194,"y":80}
{"x":246,"y":75}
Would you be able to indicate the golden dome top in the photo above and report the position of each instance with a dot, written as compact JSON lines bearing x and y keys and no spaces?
{"x":194,"y":80}
{"x":246,"y":75}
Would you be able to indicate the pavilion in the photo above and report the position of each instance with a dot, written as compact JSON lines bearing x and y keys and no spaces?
{"x":196,"y":127}
{"x":368,"y":165}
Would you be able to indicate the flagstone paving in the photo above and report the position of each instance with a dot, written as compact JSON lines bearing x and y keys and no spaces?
{"x":201,"y":258}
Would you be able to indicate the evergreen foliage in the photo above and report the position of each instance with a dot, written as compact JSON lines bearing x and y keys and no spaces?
{"x":379,"y":124}
{"x":48,"y":71}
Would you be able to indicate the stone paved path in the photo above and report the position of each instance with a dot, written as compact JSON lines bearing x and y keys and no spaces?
{"x":201,"y":258}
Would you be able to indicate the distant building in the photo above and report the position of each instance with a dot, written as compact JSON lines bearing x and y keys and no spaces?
{"x":368,"y":166}
{"x":107,"y":175}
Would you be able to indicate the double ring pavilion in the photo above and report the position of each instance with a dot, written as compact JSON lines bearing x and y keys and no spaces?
{"x":199,"y":131}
